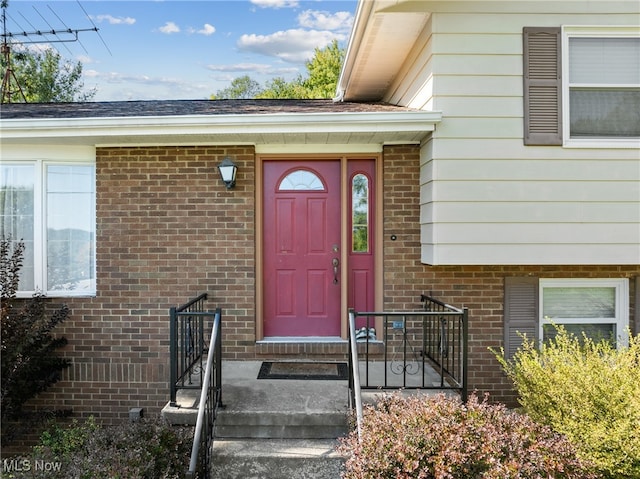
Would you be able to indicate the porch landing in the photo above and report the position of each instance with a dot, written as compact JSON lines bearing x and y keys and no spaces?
{"x":243,"y":392}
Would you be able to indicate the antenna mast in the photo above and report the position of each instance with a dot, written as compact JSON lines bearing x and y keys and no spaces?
{"x":9,"y":75}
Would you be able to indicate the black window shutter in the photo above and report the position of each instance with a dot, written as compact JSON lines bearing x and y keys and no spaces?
{"x":520,"y":312}
{"x":542,"y":74}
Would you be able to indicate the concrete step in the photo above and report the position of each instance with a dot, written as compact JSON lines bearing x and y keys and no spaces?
{"x":281,"y":424}
{"x":281,"y":409}
{"x":185,"y":412}
{"x":272,"y":429}
{"x":275,"y":459}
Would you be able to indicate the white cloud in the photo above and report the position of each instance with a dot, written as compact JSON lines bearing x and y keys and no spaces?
{"x":113,"y":86}
{"x":325,"y":20}
{"x":34,"y":48}
{"x":114,"y":20}
{"x":207,"y":30}
{"x":275,"y":3}
{"x":84,"y":59}
{"x":262,"y":68}
{"x":169,"y":28}
{"x":294,"y":46}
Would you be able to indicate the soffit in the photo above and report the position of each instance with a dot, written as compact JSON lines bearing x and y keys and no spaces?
{"x":383,"y":37}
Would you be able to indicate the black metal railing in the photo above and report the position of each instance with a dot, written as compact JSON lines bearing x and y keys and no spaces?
{"x":355,"y":396}
{"x":446,"y":342}
{"x":411,"y":350}
{"x":187,"y":345}
{"x":210,"y":401}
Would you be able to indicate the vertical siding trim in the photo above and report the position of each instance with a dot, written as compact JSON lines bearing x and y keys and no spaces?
{"x":542,"y":74}
{"x":520,"y":312}
{"x":636,"y":306}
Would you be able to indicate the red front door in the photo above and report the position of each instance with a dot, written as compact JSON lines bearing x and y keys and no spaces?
{"x":301,"y":248}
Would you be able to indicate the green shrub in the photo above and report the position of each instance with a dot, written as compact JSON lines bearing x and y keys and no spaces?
{"x":62,"y":443}
{"x":144,"y":449}
{"x":441,"y":438}
{"x":588,"y":391}
{"x":28,"y":358}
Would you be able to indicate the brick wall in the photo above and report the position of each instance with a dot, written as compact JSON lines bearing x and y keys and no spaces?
{"x":167,"y":230}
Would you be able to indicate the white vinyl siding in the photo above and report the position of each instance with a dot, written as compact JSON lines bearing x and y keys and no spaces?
{"x":414,"y":82}
{"x":486,"y":197}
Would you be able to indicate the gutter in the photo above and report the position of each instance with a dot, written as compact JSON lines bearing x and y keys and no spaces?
{"x":363,"y":12}
{"x":240,"y":125}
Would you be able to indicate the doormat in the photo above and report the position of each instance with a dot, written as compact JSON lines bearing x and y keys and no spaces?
{"x":304,"y":371}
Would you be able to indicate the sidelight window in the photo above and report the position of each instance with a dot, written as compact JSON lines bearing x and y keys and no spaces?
{"x":360,"y":220}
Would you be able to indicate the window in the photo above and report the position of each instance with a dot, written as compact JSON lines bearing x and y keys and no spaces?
{"x":597,"y":308}
{"x":602,"y":85}
{"x":582,"y":86}
{"x":50,"y":206}
{"x":301,"y":180}
{"x":360,"y":214}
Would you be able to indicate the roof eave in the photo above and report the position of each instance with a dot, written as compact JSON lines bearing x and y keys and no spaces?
{"x":179,"y":129}
{"x":384,"y":33}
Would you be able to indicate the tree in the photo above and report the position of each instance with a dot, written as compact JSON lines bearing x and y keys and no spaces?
{"x":46,"y":77}
{"x":280,"y":88}
{"x":28,"y":363}
{"x":323,"y":72}
{"x":241,"y":88}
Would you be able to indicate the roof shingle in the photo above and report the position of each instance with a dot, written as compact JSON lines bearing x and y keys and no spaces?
{"x":185,"y":108}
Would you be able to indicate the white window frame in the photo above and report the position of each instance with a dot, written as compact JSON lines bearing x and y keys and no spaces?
{"x":55,"y":158}
{"x":621,"y":320}
{"x":590,"y":32}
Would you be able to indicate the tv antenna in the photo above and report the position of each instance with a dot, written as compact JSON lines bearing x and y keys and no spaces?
{"x":10,"y":84}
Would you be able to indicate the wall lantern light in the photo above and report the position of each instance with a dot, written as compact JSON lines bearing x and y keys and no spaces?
{"x":228,"y":170}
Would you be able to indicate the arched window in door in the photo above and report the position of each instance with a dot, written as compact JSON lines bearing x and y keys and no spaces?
{"x":301,"y":180}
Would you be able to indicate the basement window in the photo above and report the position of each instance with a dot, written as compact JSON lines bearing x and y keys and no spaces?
{"x":597,"y":308}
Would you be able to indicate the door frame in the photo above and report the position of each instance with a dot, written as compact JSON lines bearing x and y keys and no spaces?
{"x":344,"y":238}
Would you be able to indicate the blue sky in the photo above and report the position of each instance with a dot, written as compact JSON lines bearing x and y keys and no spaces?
{"x":183,"y":49}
